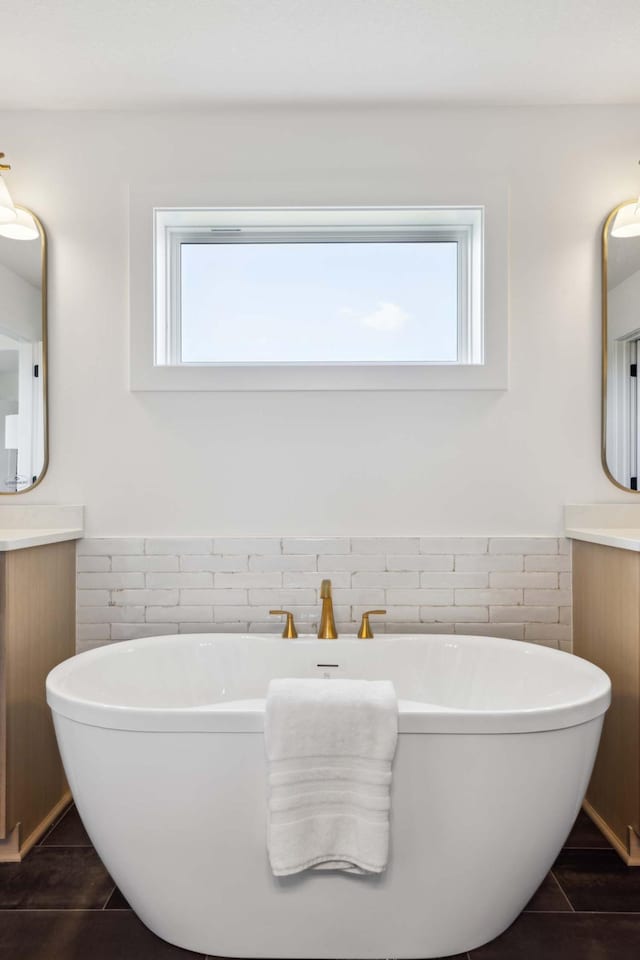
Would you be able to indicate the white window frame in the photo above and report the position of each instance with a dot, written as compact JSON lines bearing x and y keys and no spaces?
{"x":155,"y":362}
{"x":173,"y":228}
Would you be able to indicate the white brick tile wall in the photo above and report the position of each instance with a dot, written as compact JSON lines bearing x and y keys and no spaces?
{"x":322,"y":545}
{"x":530,"y":545}
{"x":385,"y":545}
{"x":517,"y":587}
{"x":172,"y":580}
{"x":488,"y":597}
{"x":235,"y":545}
{"x":565,"y":615}
{"x":510,"y":631}
{"x":455,"y":579}
{"x":341,"y":579}
{"x":110,"y":547}
{"x":94,"y":632}
{"x":279,"y":562}
{"x":216,"y":563}
{"x":249,"y":580}
{"x":491,"y":563}
{"x":394,"y":613}
{"x":110,"y":581}
{"x":215,"y":595}
{"x":131,"y":631}
{"x":524,"y":614}
{"x":352,"y":562}
{"x":554,"y":597}
{"x":144,"y":597}
{"x":454,"y":614}
{"x":548,"y":633}
{"x":177,"y":614}
{"x":428,"y":562}
{"x":539,"y":581}
{"x":426,"y":597}
{"x":560,"y":564}
{"x":110,"y":614}
{"x":144,"y":564}
{"x":93,"y":598}
{"x":414,"y":626}
{"x":179,"y":546}
{"x":386,"y":579}
{"x":371,"y":596}
{"x":93,"y":564}
{"x":453,"y":545}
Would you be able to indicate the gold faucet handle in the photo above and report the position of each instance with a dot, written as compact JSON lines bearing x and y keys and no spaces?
{"x":365,"y":632}
{"x":289,"y":631}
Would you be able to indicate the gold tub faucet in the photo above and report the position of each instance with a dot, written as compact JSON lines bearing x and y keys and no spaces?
{"x":327,"y":629}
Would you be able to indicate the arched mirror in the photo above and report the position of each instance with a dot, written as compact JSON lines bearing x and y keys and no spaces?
{"x":23,"y":353}
{"x":621,"y":345}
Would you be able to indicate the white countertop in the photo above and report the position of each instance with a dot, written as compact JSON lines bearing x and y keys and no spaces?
{"x":32,"y":537}
{"x":626,"y":538}
{"x":611,"y":524}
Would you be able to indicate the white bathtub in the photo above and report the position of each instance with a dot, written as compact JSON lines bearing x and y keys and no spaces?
{"x":162,"y":744}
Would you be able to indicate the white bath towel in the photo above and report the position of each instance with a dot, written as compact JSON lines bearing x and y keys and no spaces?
{"x":330,"y":745}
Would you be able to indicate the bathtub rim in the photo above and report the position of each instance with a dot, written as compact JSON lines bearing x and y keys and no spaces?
{"x":247,"y":716}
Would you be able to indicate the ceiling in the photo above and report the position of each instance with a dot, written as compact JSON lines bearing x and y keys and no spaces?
{"x":130,"y":54}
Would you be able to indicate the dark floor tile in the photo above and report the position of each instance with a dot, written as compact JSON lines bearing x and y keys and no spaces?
{"x":117,"y":902}
{"x":566,"y":936}
{"x":598,"y":880}
{"x":79,"y":935}
{"x":67,"y":832}
{"x":55,"y":878}
{"x":585,"y":834}
{"x":549,"y":896}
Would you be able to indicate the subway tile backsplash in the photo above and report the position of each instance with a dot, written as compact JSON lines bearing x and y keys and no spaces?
{"x":516,"y":587}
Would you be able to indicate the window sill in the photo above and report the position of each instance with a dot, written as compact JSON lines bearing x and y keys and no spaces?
{"x":294,"y":377}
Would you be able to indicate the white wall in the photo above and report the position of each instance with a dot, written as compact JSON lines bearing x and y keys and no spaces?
{"x":328,"y":464}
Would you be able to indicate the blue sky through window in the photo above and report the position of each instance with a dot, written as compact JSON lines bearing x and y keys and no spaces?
{"x":319,"y":302}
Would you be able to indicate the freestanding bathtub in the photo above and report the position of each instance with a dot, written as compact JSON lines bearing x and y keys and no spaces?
{"x":162,"y":743}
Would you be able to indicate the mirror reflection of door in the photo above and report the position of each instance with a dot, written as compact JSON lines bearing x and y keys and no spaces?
{"x":22,"y":414}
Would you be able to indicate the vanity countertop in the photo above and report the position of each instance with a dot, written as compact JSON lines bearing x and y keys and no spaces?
{"x":611,"y":524}
{"x":626,"y":538}
{"x":18,"y":539}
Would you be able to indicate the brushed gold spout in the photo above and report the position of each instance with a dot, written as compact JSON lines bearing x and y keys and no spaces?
{"x":327,"y":629}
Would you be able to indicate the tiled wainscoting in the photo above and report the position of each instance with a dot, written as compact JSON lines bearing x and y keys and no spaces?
{"x":510,"y":587}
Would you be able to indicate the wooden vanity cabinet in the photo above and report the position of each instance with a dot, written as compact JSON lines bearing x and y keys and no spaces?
{"x":606,"y":631}
{"x":37,"y":631}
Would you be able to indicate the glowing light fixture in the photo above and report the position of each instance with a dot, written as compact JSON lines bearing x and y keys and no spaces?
{"x":15,"y":223}
{"x":627,"y":221}
{"x":22,"y":228}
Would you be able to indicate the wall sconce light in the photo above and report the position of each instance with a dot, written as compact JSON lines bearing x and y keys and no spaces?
{"x":15,"y":223}
{"x":627,"y":221}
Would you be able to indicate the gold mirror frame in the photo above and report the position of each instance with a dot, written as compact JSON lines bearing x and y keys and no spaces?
{"x":605,"y":352}
{"x":45,"y":356}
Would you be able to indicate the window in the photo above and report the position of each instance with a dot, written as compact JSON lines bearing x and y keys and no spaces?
{"x":318,"y":287}
{"x":340,"y":301}
{"x":295,"y":298}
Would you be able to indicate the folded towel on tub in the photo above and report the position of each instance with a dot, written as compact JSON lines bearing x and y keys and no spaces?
{"x":330,"y":745}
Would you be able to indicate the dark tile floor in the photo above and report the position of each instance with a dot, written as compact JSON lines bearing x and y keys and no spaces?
{"x":61,"y":904}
